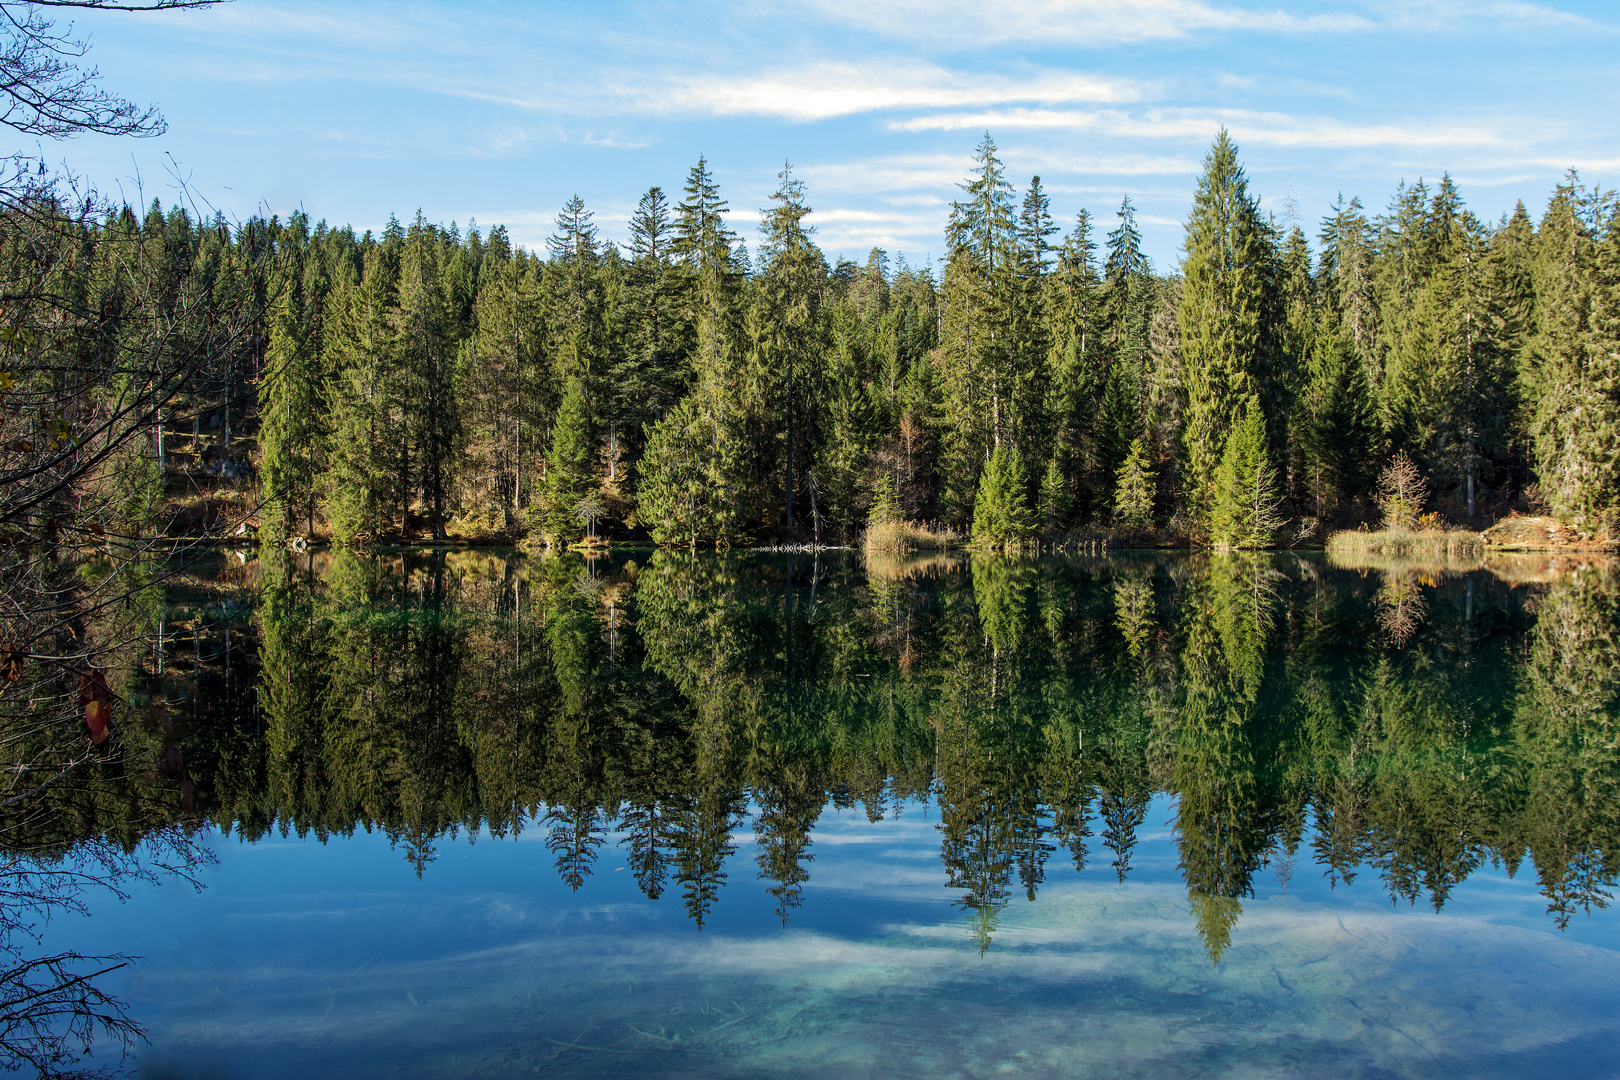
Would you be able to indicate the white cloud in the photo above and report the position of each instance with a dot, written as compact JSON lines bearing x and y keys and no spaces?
{"x":823,"y":91}
{"x":1267,"y":128}
{"x":1071,"y":22}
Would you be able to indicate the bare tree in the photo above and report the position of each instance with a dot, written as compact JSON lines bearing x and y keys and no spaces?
{"x":107,"y":326}
{"x":1402,"y":492}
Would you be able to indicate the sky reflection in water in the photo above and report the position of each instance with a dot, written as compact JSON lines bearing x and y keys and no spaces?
{"x":335,"y":960}
{"x":913,"y":949}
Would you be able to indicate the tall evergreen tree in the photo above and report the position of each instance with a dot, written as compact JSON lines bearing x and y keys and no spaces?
{"x":1345,"y":277}
{"x":789,"y":298}
{"x":1073,"y":373}
{"x":427,"y":368}
{"x":364,"y":430}
{"x":1228,"y":330}
{"x":1133,"y":492}
{"x":696,"y":479}
{"x":981,"y":239}
{"x":1246,"y":512}
{"x":1572,"y":370}
{"x":571,"y":465}
{"x":650,"y":374}
{"x":1001,"y":516}
{"x":1340,"y":425}
{"x":291,"y":399}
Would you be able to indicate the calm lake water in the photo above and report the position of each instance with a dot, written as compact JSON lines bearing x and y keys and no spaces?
{"x":667,"y":814}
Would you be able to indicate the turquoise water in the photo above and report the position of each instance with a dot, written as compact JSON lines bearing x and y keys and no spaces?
{"x":754,"y":816}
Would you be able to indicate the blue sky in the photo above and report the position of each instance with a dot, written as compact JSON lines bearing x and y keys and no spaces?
{"x":500,"y":111}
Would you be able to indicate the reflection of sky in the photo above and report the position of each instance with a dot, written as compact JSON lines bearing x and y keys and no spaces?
{"x":303,"y":959}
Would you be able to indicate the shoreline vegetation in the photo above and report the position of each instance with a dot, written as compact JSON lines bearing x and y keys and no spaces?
{"x":1028,"y":392}
{"x":1035,"y":388}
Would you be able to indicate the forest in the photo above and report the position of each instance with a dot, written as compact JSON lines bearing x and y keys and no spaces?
{"x":426,"y":381}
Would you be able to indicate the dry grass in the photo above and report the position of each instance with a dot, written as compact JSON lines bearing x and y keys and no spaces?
{"x":1438,"y":545}
{"x":887,"y":566}
{"x":1516,"y":533}
{"x":898,"y":537}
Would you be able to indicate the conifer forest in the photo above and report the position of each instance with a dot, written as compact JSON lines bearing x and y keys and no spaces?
{"x":1044,"y":378}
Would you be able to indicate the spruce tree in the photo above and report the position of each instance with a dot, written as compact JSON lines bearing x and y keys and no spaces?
{"x":1035,"y":223}
{"x":975,"y":380}
{"x":292,"y":410}
{"x":508,"y":390}
{"x":790,"y":333}
{"x":1072,"y":289}
{"x":570,"y":465}
{"x":1340,"y":430}
{"x":1572,"y":362}
{"x":1246,"y":510}
{"x":649,"y":375}
{"x":576,"y":305}
{"x":1133,"y":491}
{"x":696,"y":475}
{"x":1001,"y":516}
{"x":1056,"y":506}
{"x":425,"y":390}
{"x":363,"y":429}
{"x":1228,"y":327}
{"x":1345,"y":278}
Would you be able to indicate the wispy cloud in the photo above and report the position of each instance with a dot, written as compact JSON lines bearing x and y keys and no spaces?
{"x":1267,"y":128}
{"x":822,"y":91}
{"x":1074,"y":22}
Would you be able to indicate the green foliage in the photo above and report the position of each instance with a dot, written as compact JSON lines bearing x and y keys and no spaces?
{"x":885,"y":503}
{"x":1056,"y":507}
{"x":1229,"y":330}
{"x":1340,"y":430}
{"x":1572,"y":371}
{"x":1001,"y":516}
{"x":292,"y":410}
{"x":420,"y":373}
{"x":1134,"y":488}
{"x":1246,"y":511}
{"x":374,"y":698}
{"x":570,"y":466}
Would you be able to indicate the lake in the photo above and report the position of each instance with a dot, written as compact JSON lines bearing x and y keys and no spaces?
{"x":743,"y":815}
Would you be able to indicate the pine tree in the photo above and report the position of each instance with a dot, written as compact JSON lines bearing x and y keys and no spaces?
{"x":1246,"y":513}
{"x":292,"y":410}
{"x":363,"y":429}
{"x":1056,"y":506}
{"x":1228,"y":329}
{"x":1133,"y":492}
{"x":570,"y":465}
{"x":1035,"y":224}
{"x":789,"y":312}
{"x":696,"y":476}
{"x":1340,"y":430}
{"x":1001,"y":516}
{"x":649,"y":375}
{"x":425,"y":390}
{"x":1572,"y":368}
{"x":976,"y":338}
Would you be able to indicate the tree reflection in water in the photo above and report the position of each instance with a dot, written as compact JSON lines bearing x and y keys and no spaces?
{"x":667,"y":700}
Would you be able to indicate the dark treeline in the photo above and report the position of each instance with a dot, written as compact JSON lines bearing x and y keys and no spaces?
{"x":681,"y":388}
{"x":1302,"y":717}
